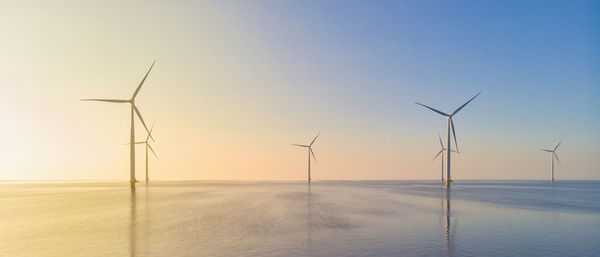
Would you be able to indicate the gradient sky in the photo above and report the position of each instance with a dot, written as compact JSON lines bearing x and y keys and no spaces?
{"x":237,"y":82}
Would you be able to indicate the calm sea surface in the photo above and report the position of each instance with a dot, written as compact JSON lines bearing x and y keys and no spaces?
{"x":329,"y":218}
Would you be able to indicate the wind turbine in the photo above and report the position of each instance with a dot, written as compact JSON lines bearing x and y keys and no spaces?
{"x":441,"y":152}
{"x":310,"y":152}
{"x":131,"y":101}
{"x":554,"y":155}
{"x":450,"y":125}
{"x":148,"y":146}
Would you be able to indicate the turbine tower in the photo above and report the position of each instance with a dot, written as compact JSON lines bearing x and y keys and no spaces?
{"x":131,"y":101}
{"x":554,"y":155}
{"x":310,"y":152}
{"x":450,"y":126}
{"x":443,"y":149}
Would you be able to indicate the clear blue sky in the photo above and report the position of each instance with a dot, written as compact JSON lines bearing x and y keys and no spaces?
{"x":537,"y":63}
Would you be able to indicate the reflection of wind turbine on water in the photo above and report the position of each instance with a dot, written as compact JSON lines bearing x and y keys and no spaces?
{"x":449,"y":228}
{"x":132,"y":225}
{"x":450,"y":125}
{"x":310,"y":152}
{"x":554,"y":155}
{"x":309,"y":226}
{"x":443,"y":149}
{"x":131,"y":101}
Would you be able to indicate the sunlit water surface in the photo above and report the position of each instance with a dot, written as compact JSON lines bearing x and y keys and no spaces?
{"x":329,"y":218}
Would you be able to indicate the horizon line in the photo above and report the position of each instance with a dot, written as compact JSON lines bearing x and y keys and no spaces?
{"x":7,"y":181}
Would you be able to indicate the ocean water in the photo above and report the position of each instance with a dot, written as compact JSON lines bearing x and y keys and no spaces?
{"x":329,"y":218}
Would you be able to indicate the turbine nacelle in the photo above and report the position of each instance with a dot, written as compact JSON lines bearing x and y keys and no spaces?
{"x":553,"y":151}
{"x":309,"y":146}
{"x":442,"y":146}
{"x":449,"y":116}
{"x":130,"y":101}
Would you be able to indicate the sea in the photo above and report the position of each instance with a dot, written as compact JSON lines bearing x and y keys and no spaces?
{"x":292,"y":218}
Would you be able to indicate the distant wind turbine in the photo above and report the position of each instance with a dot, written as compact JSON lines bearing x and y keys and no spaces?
{"x":310,"y":152}
{"x":554,"y":155}
{"x":443,"y":149}
{"x":450,"y":125}
{"x":131,"y":101}
{"x":148,"y":146}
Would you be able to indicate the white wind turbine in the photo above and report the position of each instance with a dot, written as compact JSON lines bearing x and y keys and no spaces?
{"x":131,"y":101}
{"x":442,"y":150}
{"x":554,"y":155}
{"x":450,"y":126}
{"x":148,"y":146}
{"x":310,"y":152}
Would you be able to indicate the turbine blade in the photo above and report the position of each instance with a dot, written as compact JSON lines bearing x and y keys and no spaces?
{"x":440,"y":112}
{"x":558,"y":144}
{"x":300,"y":145}
{"x":313,"y":154}
{"x":438,"y":154}
{"x":107,"y":100}
{"x":142,"y":83}
{"x":454,"y":134}
{"x":137,"y":143}
{"x":141,"y":119}
{"x":462,"y":106}
{"x":441,"y":144}
{"x":150,"y":132}
{"x":153,"y":151}
{"x":556,"y":156}
{"x":311,"y":143}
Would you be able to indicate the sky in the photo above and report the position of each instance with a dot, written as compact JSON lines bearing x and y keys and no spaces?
{"x":237,"y":82}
